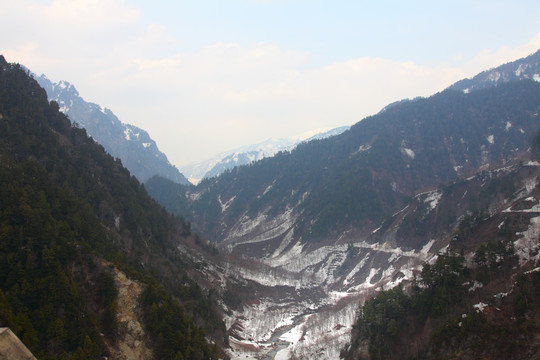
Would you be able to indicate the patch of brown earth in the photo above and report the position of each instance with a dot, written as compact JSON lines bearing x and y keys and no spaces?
{"x":132,"y":341}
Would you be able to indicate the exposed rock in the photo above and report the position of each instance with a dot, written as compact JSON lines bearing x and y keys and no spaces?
{"x":132,"y":340}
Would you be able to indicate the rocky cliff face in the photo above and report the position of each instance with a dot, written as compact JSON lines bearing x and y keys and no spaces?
{"x":133,"y":341}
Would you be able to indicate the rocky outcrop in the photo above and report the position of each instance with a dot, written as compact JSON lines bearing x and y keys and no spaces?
{"x":132,"y":341}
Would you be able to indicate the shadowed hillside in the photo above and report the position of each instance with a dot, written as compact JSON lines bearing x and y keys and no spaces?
{"x":72,"y":219}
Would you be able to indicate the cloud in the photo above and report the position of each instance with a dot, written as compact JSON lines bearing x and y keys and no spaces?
{"x":67,"y":36}
{"x":230,"y":94}
{"x":198,"y":102}
{"x":83,"y":13}
{"x":488,"y":58}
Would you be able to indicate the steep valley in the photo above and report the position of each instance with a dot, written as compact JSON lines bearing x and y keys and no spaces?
{"x":272,"y":260}
{"x":303,"y":303}
{"x":314,"y":232}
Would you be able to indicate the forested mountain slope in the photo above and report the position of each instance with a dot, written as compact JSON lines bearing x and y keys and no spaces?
{"x":479,"y":299}
{"x":336,"y":220}
{"x":352,"y":182}
{"x":72,"y":220}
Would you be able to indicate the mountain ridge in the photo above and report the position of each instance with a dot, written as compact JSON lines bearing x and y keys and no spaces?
{"x":133,"y":145}
{"x":247,"y":154}
{"x":525,"y":68}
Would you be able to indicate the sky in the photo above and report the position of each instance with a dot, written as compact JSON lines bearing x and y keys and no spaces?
{"x":206,"y":76}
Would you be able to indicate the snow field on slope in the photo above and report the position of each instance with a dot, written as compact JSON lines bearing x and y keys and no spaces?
{"x":528,"y":246}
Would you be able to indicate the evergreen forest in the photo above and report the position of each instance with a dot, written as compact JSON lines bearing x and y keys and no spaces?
{"x":67,"y":208}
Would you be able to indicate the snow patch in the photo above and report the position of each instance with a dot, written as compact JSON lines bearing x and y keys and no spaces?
{"x":268,"y":188}
{"x":266,"y":229}
{"x":480,"y":307}
{"x":433,"y":199}
{"x":475,"y":285}
{"x":528,"y":246}
{"x":536,"y":269}
{"x":284,"y":243}
{"x":425,"y":250}
{"x":377,"y":229}
{"x":367,"y":283}
{"x":409,"y":152}
{"x":494,"y":76}
{"x":530,"y":185}
{"x":293,"y":254}
{"x":318,"y":326}
{"x":364,"y":147}
{"x":444,"y":249}
{"x":325,"y":333}
{"x":292,"y":336}
{"x":536,"y":77}
{"x":355,"y":271}
{"x":508,"y":126}
{"x":225,"y":205}
{"x":400,"y":211}
{"x":194,"y":196}
{"x":388,"y":273}
{"x":491,"y":139}
{"x":520,"y":70}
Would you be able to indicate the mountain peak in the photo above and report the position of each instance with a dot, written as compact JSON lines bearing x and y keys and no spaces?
{"x":133,"y":145}
{"x":248,"y":154}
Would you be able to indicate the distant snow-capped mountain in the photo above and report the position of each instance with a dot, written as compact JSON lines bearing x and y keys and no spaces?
{"x":131,"y":144}
{"x":247,"y":154}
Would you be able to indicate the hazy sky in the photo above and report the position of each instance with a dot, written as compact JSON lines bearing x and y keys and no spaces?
{"x":207,"y":76}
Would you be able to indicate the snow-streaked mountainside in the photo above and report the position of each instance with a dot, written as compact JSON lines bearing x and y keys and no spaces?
{"x":331,"y":222}
{"x":526,"y":68}
{"x":301,"y":301}
{"x":134,"y":146}
{"x":244,"y":155}
{"x":247,"y":154}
